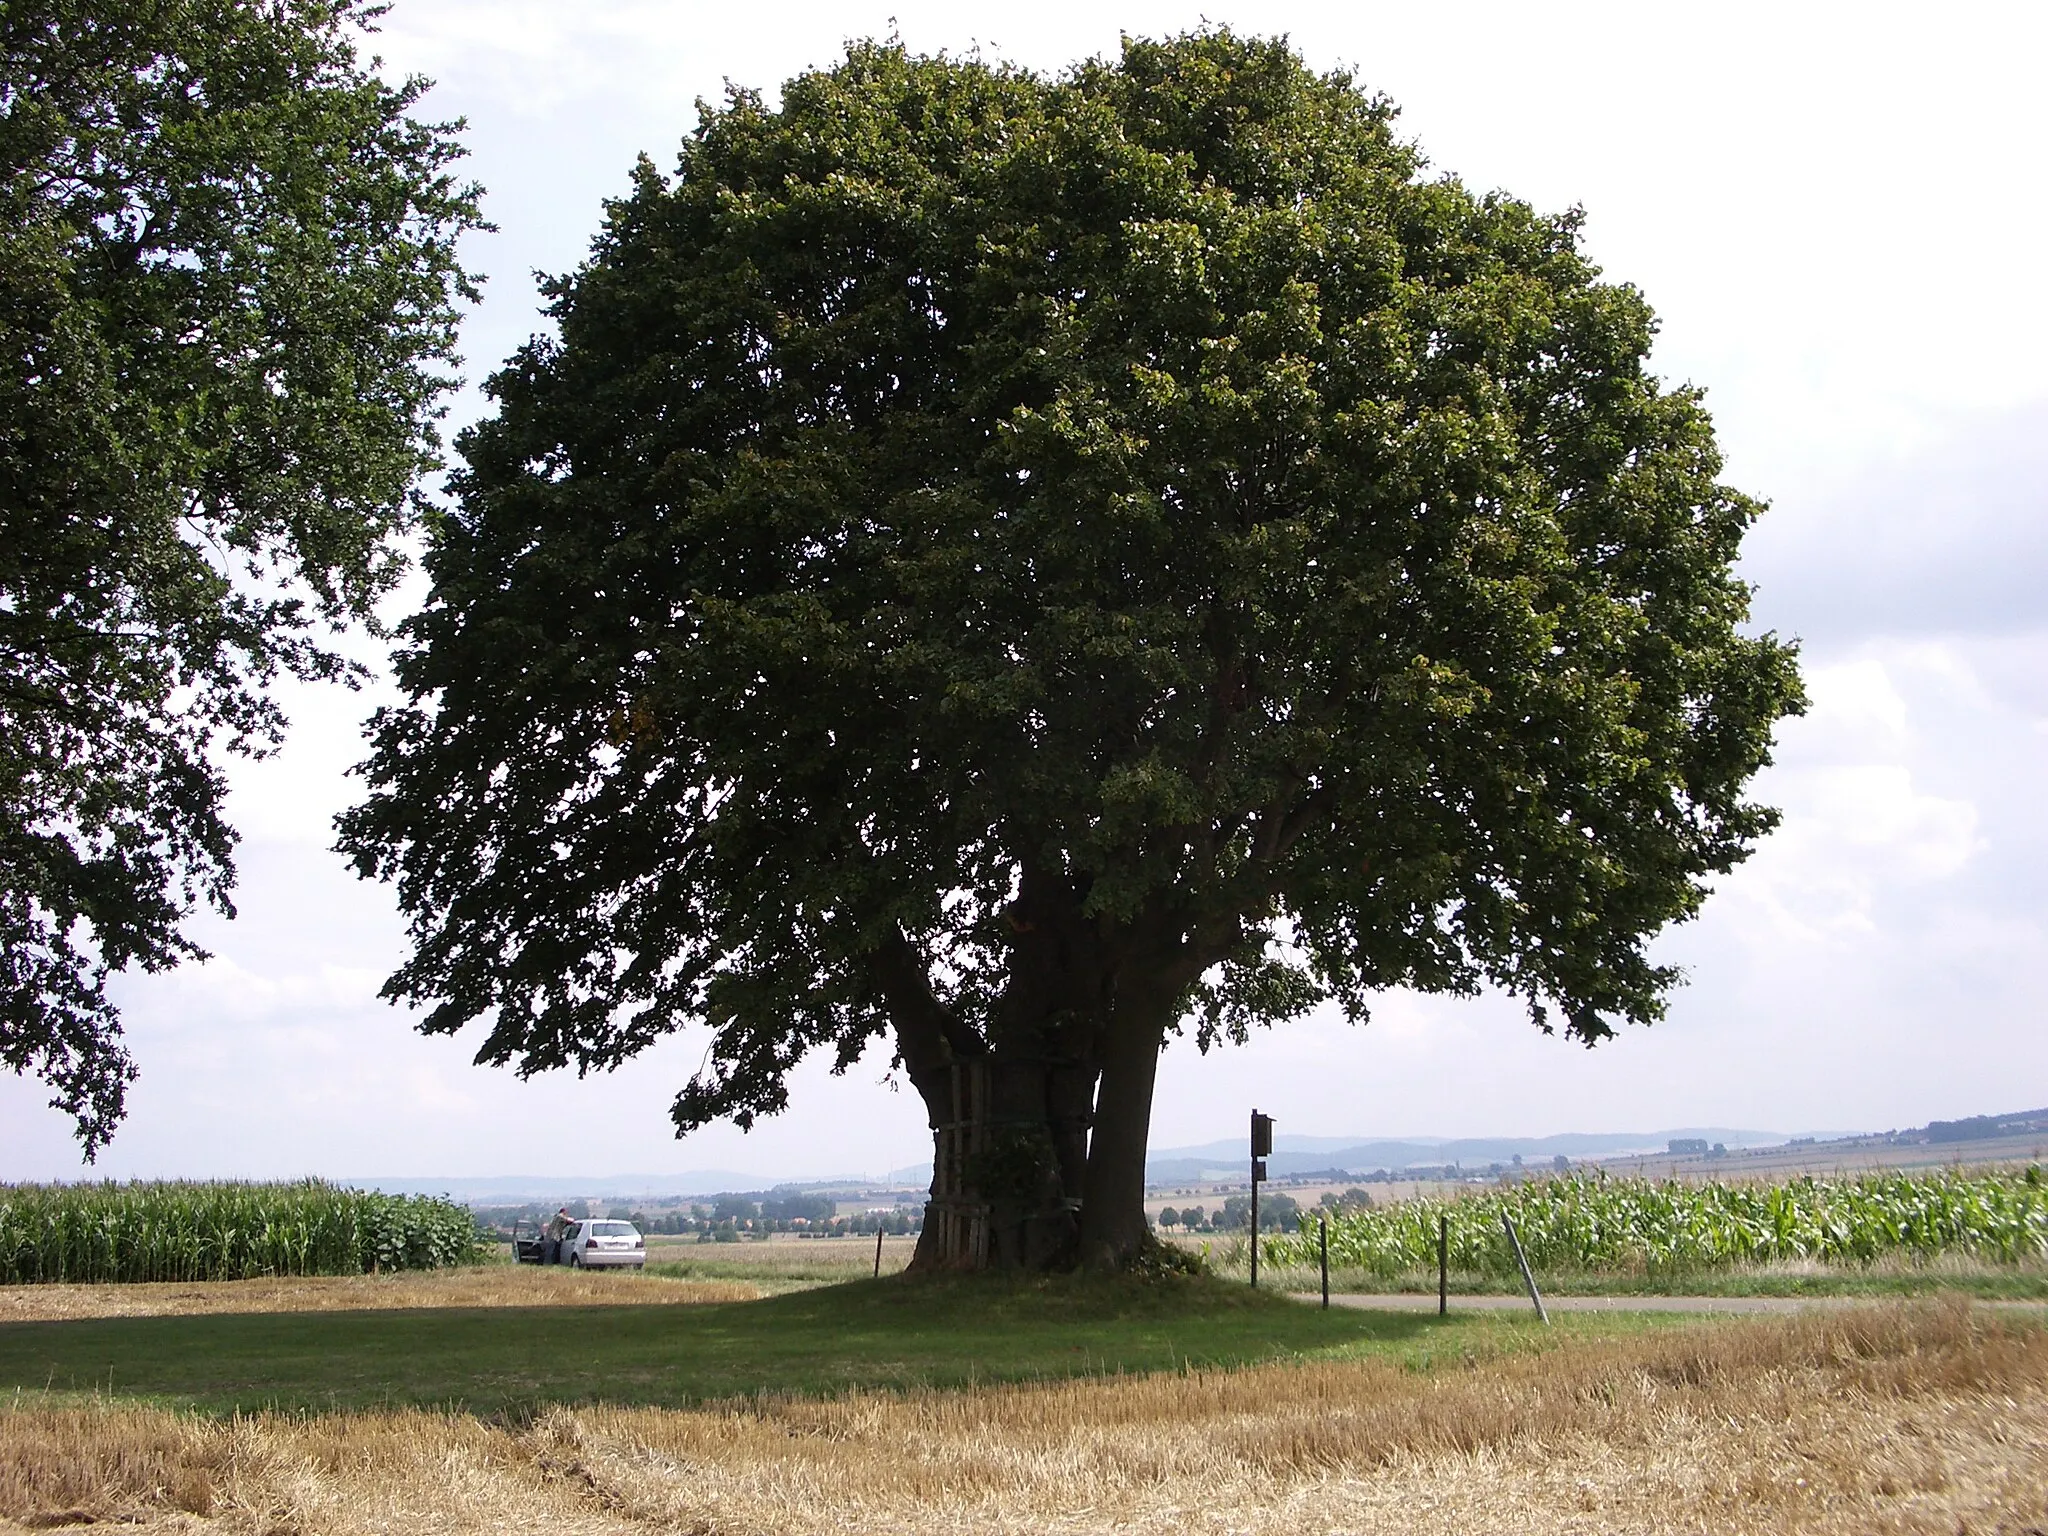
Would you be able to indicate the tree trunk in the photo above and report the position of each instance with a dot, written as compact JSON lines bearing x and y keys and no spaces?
{"x":1038,"y":1130}
{"x":1113,"y":1226}
{"x":955,"y":1234}
{"x":1009,"y":1139}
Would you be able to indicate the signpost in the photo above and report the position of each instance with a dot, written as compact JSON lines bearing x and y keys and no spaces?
{"x":1262,"y":1148}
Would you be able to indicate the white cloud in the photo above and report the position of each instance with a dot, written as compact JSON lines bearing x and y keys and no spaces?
{"x":1853,"y":699}
{"x":1850,"y":833}
{"x":1947,"y":538}
{"x":224,"y":988}
{"x":1875,"y":810}
{"x":1859,"y":825}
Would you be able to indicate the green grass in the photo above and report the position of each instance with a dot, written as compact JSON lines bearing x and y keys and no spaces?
{"x":892,"y":1334}
{"x":777,"y":1267}
{"x":774,"y":1267}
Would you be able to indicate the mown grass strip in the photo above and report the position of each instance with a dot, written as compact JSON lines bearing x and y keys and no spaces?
{"x":889,"y":1335}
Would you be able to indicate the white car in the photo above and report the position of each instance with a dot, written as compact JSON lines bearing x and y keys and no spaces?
{"x":604,"y":1245}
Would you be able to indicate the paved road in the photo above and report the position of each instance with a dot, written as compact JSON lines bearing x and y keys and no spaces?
{"x":1412,"y":1302}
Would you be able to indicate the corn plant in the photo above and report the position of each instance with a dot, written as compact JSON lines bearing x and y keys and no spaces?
{"x":221,"y":1231}
{"x":1588,"y":1222}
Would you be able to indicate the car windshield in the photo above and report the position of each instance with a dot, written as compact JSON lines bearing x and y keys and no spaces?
{"x":611,"y":1229}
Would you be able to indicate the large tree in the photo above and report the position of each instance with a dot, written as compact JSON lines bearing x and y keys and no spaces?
{"x":1020,"y":567}
{"x":227,"y":271}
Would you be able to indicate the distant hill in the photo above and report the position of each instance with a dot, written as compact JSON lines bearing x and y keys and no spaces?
{"x":514,"y":1189}
{"x":1291,"y":1157}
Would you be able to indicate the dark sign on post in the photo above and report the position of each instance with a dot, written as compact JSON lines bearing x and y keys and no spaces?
{"x":1262,"y":1148}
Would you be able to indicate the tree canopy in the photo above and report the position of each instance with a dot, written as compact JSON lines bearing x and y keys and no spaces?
{"x":227,"y":278}
{"x":1015,"y":566}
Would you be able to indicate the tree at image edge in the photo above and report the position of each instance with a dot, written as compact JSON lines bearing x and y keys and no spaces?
{"x":227,"y":286}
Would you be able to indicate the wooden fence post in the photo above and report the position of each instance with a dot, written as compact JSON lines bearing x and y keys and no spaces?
{"x":1443,"y":1264}
{"x":1325,"y":1220}
{"x":1521,"y":1259}
{"x":1255,"y":1232}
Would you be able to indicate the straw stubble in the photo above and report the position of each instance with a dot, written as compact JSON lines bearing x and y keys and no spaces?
{"x":1908,"y":1419}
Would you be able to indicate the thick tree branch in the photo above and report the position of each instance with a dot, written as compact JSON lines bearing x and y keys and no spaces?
{"x":929,"y":1035}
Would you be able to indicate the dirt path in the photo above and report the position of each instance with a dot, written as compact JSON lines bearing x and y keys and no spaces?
{"x":488,"y":1285}
{"x":1420,"y":1302}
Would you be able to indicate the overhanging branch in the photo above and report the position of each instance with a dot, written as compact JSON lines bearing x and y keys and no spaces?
{"x":929,"y":1035}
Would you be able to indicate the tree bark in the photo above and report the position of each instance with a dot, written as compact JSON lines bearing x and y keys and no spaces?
{"x":945,"y":1062}
{"x":955,"y":1233}
{"x":1113,"y":1226}
{"x":1039,"y":1132}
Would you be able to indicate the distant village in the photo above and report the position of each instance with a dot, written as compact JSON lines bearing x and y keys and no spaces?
{"x":1222,"y":1204}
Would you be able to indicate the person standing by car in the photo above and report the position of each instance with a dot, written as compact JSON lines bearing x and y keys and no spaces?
{"x":557,"y":1229}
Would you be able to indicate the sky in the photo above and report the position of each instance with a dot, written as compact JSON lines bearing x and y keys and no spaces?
{"x":1837,"y":213}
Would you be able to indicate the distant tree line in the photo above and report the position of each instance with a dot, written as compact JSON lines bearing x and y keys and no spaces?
{"x":1980,"y":1127}
{"x":726,"y":1218}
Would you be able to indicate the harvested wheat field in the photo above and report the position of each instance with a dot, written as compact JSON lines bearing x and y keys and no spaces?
{"x":1912,"y":1418}
{"x":496,"y":1285}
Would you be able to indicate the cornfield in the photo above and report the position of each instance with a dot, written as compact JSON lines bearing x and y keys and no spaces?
{"x":1635,"y":1225}
{"x":96,"y":1233}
